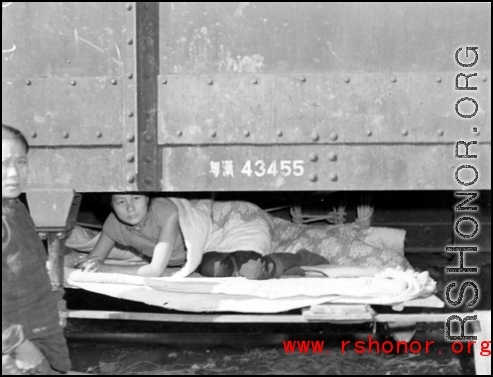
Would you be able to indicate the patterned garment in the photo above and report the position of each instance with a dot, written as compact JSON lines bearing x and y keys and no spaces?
{"x":339,"y":244}
{"x":27,"y":298}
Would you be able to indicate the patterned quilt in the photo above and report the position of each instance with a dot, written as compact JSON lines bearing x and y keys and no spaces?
{"x":235,"y":225}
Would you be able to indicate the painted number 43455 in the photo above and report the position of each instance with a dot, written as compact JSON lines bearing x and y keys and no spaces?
{"x":285,"y":168}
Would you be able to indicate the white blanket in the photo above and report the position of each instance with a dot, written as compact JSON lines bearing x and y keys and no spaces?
{"x":198,"y":294}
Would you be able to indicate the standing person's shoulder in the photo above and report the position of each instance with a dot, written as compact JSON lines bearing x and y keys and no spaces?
{"x":18,"y":209}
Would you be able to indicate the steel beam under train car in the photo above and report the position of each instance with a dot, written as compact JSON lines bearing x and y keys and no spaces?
{"x":245,"y":96}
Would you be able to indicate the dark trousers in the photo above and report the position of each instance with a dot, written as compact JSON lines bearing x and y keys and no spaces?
{"x":253,"y":265}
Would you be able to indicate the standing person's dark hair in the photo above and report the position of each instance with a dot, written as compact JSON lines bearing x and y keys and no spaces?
{"x":14,"y":134}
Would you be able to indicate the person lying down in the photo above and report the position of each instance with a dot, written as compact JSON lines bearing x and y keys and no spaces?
{"x":152,"y":226}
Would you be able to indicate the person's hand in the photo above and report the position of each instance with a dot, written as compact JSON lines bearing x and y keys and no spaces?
{"x":9,"y":366}
{"x":90,"y":264}
{"x":309,"y":258}
{"x":28,"y":358}
{"x":82,"y":262}
{"x":295,"y":271}
{"x":95,"y":266}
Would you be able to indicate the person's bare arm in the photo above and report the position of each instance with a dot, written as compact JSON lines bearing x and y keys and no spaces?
{"x":99,"y":253}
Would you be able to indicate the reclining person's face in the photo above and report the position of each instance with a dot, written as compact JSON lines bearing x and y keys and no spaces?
{"x":130,"y":209}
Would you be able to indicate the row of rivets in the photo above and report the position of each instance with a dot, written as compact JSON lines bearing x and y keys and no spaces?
{"x":314,"y":136}
{"x":131,"y":179}
{"x":130,"y":137}
{"x":66,"y":135}
{"x":246,"y":133}
{"x":314,"y":178}
{"x":74,"y":82}
{"x":253,"y":81}
{"x":148,"y":138}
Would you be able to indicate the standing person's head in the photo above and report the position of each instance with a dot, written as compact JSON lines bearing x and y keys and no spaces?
{"x":14,"y":162}
{"x":130,"y":208}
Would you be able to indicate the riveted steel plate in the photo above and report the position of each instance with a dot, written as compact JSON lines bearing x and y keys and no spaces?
{"x":83,"y":169}
{"x":61,"y":39}
{"x":320,"y":108}
{"x":63,"y":112}
{"x":310,"y":167}
{"x":283,"y":37}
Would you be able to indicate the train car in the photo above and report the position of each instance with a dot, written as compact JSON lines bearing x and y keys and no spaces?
{"x":257,"y":99}
{"x":245,"y":96}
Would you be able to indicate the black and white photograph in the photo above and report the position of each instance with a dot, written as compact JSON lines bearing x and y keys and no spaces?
{"x":246,"y":188}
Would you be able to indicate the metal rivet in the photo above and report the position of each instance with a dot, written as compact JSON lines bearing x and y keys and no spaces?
{"x":148,"y":159}
{"x":213,"y":133}
{"x":130,"y":178}
{"x":439,"y":79}
{"x":130,"y":41}
{"x":130,"y":157}
{"x":393,"y":79}
{"x":333,"y":136}
{"x":28,"y":82}
{"x":254,"y":81}
{"x":347,"y":80}
{"x":312,"y":177}
{"x":148,"y":180}
{"x":179,"y":133}
{"x":99,"y":134}
{"x":34,"y":135}
{"x":65,"y":135}
{"x":210,"y":81}
{"x":246,"y":133}
{"x":404,"y":132}
{"x":148,"y":138}
{"x":164,"y":81}
{"x":113,"y":81}
{"x":279,"y":133}
{"x":369,"y":133}
{"x":484,"y":78}
{"x":440,"y":132}
{"x":129,"y":7}
{"x":333,"y":177}
{"x":130,"y":138}
{"x":130,"y":75}
{"x":315,"y":136}
{"x":130,"y":114}
{"x":332,"y":156}
{"x":313,"y":157}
